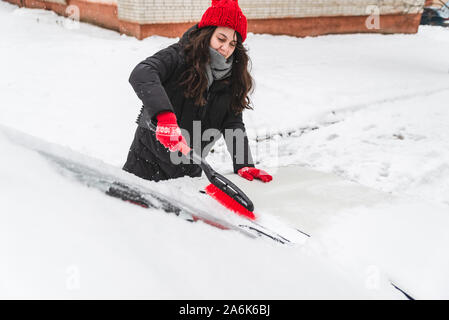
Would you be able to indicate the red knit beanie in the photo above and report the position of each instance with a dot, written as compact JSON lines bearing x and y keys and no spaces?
{"x":225,"y":13}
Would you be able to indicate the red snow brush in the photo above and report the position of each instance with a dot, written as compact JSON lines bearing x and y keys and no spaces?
{"x":221,"y":188}
{"x":224,"y":191}
{"x":229,"y":202}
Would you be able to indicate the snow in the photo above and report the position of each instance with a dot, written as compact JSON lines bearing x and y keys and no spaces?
{"x":400,"y":147}
{"x":360,"y":228}
{"x":81,"y":244}
{"x":407,"y":240}
{"x":367,"y":109}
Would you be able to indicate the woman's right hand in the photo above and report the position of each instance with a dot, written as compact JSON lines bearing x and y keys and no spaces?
{"x":169,"y":134}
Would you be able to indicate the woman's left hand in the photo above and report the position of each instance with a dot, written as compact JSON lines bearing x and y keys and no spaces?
{"x":250,"y":173}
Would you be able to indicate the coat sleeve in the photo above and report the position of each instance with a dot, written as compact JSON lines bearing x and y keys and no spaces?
{"x":148,"y":77}
{"x":236,"y":140}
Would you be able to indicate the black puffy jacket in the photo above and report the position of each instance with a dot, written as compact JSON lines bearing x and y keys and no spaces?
{"x":156,"y":82}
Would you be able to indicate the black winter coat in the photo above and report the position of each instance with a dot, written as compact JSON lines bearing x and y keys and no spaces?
{"x":156,"y":82}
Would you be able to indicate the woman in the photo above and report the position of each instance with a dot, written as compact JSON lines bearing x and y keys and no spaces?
{"x":199,"y":84}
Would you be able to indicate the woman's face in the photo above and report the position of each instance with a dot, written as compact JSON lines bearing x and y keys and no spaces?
{"x":224,"y":41}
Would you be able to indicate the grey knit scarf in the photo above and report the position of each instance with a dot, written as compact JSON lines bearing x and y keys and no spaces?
{"x":219,"y":68}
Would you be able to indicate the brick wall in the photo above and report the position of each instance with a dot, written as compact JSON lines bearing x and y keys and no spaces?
{"x":143,"y":18}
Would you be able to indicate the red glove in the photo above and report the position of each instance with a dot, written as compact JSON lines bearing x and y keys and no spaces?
{"x":250,"y":173}
{"x":169,"y":134}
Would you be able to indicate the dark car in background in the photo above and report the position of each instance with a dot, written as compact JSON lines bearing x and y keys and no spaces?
{"x":437,"y":14}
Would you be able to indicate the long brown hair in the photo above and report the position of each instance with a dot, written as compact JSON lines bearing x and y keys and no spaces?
{"x":196,"y":52}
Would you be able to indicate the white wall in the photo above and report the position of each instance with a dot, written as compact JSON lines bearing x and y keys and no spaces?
{"x":166,"y":11}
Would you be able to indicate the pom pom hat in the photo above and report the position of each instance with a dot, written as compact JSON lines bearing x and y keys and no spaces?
{"x":225,"y":13}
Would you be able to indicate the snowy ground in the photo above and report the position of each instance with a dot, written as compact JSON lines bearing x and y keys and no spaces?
{"x":368,"y":108}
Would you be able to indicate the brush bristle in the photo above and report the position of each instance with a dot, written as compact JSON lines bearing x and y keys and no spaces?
{"x":228,"y":202}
